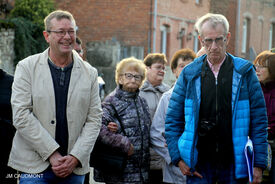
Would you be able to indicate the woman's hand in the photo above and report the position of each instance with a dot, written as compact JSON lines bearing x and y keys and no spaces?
{"x":131,"y":150}
{"x":112,"y":126}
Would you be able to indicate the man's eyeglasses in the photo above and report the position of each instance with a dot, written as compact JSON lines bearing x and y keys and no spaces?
{"x":219,"y":41}
{"x":62,"y":33}
{"x":130,"y":76}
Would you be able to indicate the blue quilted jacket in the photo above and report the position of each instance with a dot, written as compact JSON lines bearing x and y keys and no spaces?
{"x":248,"y":116}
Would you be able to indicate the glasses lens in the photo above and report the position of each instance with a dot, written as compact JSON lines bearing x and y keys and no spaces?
{"x":128,"y":75}
{"x":138,"y":77}
{"x":260,"y":66}
{"x":218,"y":41}
{"x":208,"y":42}
{"x":71,"y":33}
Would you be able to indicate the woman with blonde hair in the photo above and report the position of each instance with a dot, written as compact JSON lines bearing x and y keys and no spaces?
{"x":126,"y":106}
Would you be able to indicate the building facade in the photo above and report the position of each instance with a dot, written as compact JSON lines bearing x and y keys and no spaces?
{"x":257,"y":27}
{"x":115,"y":29}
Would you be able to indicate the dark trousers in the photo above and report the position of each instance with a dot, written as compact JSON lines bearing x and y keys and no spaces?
{"x":213,"y":174}
{"x":87,"y":178}
{"x":155,"y":176}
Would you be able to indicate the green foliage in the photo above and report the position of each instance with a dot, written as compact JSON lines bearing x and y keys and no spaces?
{"x":27,"y":18}
{"x":6,"y":24}
{"x":33,"y":10}
{"x":28,"y":38}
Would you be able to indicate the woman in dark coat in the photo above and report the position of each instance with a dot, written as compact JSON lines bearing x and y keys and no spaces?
{"x":265,"y":69}
{"x":7,"y":174}
{"x":132,"y":111}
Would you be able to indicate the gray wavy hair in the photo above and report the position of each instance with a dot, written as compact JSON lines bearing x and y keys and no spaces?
{"x":214,"y":19}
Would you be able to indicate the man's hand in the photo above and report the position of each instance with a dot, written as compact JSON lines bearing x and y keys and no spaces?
{"x":112,"y":126}
{"x":186,"y":170}
{"x":63,"y":170}
{"x":54,"y":159}
{"x":257,"y":175}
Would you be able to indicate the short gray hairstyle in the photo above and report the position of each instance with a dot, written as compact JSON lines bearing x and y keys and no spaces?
{"x":214,"y":19}
{"x":58,"y":14}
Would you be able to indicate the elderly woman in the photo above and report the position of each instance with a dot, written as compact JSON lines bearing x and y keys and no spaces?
{"x":133,"y":113}
{"x":151,"y":91}
{"x":171,"y":173}
{"x":265,"y":70}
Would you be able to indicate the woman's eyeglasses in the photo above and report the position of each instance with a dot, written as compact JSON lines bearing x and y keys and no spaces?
{"x":130,"y":76}
{"x":260,"y":66}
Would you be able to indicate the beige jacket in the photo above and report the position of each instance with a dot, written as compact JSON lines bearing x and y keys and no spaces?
{"x":34,"y":116}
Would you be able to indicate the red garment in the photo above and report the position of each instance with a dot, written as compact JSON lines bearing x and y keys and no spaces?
{"x":269,"y":95}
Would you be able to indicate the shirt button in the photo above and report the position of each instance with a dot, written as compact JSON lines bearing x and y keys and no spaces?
{"x":52,"y":122}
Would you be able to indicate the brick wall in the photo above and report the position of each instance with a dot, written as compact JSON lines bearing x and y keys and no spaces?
{"x":257,"y":11}
{"x":126,"y":21}
{"x":178,"y":15}
{"x":228,"y":8}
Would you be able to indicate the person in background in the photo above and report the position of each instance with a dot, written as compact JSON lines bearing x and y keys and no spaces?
{"x":125,"y":105}
{"x":151,"y":91}
{"x":201,"y":52}
{"x":79,"y":50}
{"x":7,"y":174}
{"x":216,"y":104}
{"x":171,"y":173}
{"x":56,"y":109}
{"x":78,"y":46}
{"x":265,"y":70}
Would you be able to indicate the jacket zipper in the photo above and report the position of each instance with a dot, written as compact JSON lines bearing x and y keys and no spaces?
{"x":140,"y":129}
{"x":216,"y":82}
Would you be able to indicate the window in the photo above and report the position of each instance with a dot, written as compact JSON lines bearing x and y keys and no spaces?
{"x":181,"y":38}
{"x":246,"y":36}
{"x":165,"y":40}
{"x":272,"y":36}
{"x":262,"y":31}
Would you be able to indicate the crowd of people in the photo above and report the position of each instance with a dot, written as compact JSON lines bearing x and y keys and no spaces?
{"x":195,"y":132}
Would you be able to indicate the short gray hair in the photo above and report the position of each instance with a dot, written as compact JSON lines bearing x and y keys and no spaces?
{"x":58,"y":14}
{"x":214,"y":19}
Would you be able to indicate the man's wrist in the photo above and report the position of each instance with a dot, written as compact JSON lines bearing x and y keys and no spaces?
{"x":75,"y":160}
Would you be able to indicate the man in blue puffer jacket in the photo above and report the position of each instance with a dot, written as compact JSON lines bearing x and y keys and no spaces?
{"x":217,"y":103}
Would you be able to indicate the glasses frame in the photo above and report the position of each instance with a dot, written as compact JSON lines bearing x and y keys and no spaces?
{"x":62,"y":33}
{"x":257,"y":66}
{"x":219,"y":41}
{"x":158,"y":68}
{"x":130,"y":76}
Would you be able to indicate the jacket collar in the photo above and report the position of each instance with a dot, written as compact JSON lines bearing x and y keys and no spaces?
{"x":241,"y":66}
{"x":125,"y":94}
{"x":147,"y":86}
{"x":76,"y":58}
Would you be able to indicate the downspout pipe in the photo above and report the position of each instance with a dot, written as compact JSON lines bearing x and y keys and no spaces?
{"x":155,"y":25}
{"x":237,"y":35}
